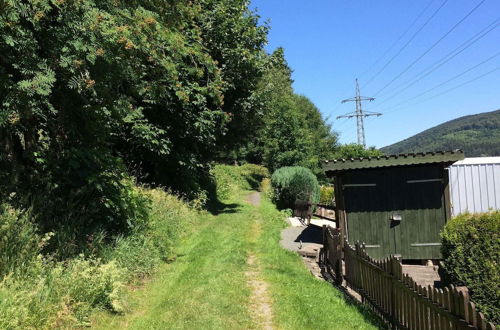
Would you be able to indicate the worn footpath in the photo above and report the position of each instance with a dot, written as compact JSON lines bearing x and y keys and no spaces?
{"x":231,"y":273}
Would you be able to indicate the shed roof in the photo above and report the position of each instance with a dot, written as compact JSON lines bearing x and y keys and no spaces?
{"x":478,"y":161}
{"x":422,"y":158}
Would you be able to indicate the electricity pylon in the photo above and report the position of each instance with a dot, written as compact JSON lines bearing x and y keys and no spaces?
{"x":359,"y":113}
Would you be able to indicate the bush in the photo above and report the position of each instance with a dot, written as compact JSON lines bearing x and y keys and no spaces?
{"x":471,"y":253}
{"x":326,"y":195}
{"x":290,"y":183}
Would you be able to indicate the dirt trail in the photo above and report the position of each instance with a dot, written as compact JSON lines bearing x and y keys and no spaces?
{"x":254,"y":198}
{"x":260,"y":303}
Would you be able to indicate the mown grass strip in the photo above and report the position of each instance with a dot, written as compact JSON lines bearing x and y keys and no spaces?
{"x":204,"y":288}
{"x":301,"y":301}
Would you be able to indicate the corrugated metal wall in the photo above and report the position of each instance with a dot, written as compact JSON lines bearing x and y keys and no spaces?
{"x":475,"y":185}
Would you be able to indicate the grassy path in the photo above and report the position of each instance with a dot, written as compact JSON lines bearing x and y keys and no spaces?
{"x":232,"y":274}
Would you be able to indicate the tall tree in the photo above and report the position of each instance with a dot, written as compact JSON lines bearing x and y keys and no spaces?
{"x":293,"y":130}
{"x":235,"y":40}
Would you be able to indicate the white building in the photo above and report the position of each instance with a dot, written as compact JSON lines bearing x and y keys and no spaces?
{"x":475,"y":185}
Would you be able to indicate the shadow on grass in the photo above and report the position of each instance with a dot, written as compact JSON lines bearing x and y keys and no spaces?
{"x":218,"y":207}
{"x":254,"y":181}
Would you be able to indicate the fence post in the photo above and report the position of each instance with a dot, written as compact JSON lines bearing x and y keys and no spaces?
{"x":396,"y":272}
{"x":338,"y":256}
{"x":323,"y":252}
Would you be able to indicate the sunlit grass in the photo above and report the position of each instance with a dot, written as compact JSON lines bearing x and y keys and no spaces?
{"x":300,"y":301}
{"x":205,"y":287}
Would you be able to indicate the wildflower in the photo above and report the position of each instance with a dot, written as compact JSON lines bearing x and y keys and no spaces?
{"x":150,"y":20}
{"x":90,"y":83}
{"x":129,"y":45}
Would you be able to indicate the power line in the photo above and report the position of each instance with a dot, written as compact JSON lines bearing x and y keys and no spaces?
{"x":465,"y":83}
{"x":397,"y":40}
{"x":448,"y":57}
{"x":452,"y":78}
{"x":448,"y":90}
{"x":430,"y":48}
{"x":406,"y":44}
{"x":359,"y":114}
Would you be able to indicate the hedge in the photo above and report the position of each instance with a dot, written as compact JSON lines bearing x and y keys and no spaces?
{"x":292,"y":182}
{"x":471,"y":257}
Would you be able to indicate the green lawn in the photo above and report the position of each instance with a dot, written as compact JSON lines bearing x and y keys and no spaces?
{"x":206,"y":287}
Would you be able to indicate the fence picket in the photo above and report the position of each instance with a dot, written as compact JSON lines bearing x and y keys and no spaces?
{"x":481,"y":322}
{"x":395,"y":296}
{"x":472,"y":313}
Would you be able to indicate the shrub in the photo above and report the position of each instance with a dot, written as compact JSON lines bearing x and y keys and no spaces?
{"x":84,"y":224}
{"x":227,"y":178}
{"x":471,"y":253}
{"x":290,"y":183}
{"x":326,"y":195}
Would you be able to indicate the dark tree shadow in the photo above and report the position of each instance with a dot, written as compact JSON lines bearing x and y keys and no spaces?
{"x":217,"y":207}
{"x":254,"y":181}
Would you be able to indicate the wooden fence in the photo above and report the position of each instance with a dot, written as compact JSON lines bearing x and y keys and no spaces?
{"x":395,"y":297}
{"x":304,"y":210}
{"x":324,"y":211}
{"x":331,"y":256}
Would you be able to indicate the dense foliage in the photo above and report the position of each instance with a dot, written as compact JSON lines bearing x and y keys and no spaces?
{"x":99,"y":97}
{"x":326,"y":195}
{"x":292,"y":131}
{"x":354,"y":150}
{"x":477,"y":135}
{"x":471,"y":253}
{"x":294,"y":182}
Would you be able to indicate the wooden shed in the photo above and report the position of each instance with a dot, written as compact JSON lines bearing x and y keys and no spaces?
{"x":395,"y":204}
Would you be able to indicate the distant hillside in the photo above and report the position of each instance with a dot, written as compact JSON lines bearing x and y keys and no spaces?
{"x":476,"y":135}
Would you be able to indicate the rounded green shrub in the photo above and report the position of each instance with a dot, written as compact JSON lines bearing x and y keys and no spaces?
{"x":471,"y":257}
{"x":294,"y":182}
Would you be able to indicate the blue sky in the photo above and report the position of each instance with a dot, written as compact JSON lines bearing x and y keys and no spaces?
{"x":329,"y":43}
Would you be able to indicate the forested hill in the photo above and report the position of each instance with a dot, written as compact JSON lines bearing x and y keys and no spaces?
{"x":477,"y":135}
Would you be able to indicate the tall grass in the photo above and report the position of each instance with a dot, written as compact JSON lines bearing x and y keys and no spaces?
{"x":230,"y":179}
{"x":38,"y":291}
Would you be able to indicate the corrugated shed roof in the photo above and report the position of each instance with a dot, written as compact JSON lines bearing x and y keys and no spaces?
{"x":421,"y":158}
{"x":478,"y":161}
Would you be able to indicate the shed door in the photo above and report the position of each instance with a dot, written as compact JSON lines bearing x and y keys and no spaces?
{"x":423,"y":212}
{"x":367,"y":197}
{"x":373,"y":198}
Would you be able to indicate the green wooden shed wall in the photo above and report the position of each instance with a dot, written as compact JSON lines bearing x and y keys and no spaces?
{"x":394,"y":204}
